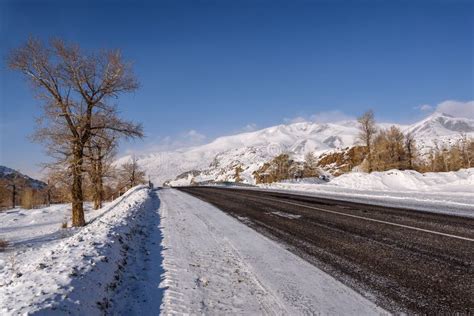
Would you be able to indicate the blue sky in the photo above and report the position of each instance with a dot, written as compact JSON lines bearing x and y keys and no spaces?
{"x":211,"y":68}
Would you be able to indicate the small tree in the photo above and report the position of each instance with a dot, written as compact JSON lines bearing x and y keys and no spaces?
{"x":131,"y":173}
{"x":466,"y":147}
{"x":29,"y":198}
{"x":310,"y":168}
{"x":367,"y":131}
{"x":100,"y":151}
{"x":410,"y":148}
{"x":76,"y":88}
{"x":237,"y":171}
{"x":13,"y":184}
{"x":395,"y":147}
{"x":59,"y":184}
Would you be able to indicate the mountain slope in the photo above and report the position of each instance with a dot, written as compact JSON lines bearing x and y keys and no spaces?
{"x":248,"y":148}
{"x":440,"y":125}
{"x":8,"y":174}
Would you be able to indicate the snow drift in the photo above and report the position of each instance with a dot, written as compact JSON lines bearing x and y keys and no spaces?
{"x":461,"y":181}
{"x":76,"y":273}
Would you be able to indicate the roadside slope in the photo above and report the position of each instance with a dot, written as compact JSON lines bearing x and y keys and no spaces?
{"x":77,"y":274}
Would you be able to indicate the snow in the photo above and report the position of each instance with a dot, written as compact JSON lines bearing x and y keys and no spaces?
{"x":79,"y":271}
{"x":461,"y":181}
{"x":25,"y":228}
{"x":441,"y":124}
{"x":216,"y":265}
{"x":5,"y":171}
{"x":286,"y":215}
{"x":443,"y":192}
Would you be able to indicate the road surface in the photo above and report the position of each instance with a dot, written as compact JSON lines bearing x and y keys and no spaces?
{"x":404,"y":260}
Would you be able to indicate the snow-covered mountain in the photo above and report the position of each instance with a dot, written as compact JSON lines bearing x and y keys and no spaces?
{"x":8,"y":174}
{"x":218,"y":159}
{"x":440,"y":129}
{"x":440,"y":125}
{"x":251,"y":148}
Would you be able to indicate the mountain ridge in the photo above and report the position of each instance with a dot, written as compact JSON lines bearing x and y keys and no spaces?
{"x":7,"y":174}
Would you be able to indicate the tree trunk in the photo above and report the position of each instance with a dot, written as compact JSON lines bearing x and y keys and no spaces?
{"x":410,"y":158}
{"x":98,"y":186}
{"x":76,"y":190}
{"x":369,"y":156}
{"x":13,"y":196}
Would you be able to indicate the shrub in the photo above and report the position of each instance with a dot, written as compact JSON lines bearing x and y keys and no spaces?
{"x":30,"y":199}
{"x":3,"y":245}
{"x":64,"y":223}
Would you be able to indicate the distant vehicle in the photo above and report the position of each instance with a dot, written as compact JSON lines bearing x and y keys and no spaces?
{"x":324,"y":177}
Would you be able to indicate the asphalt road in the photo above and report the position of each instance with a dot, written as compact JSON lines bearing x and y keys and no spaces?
{"x":404,"y":260}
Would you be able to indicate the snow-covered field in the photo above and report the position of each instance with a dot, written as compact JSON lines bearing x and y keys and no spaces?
{"x":25,"y":228}
{"x":73,"y":270}
{"x":444,"y":192}
{"x":216,"y":265}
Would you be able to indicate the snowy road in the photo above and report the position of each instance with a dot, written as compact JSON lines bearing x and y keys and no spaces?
{"x":409,"y":261}
{"x":216,"y":265}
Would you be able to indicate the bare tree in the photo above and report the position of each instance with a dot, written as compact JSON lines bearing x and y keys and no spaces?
{"x":12,"y":184}
{"x":367,"y":131}
{"x":466,"y":148}
{"x":75,"y":88}
{"x":100,"y":151}
{"x":395,"y":146}
{"x":410,"y":148}
{"x":237,"y":173}
{"x":310,"y":168}
{"x":131,"y":173}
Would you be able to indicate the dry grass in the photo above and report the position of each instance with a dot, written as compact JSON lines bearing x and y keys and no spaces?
{"x":3,"y":245}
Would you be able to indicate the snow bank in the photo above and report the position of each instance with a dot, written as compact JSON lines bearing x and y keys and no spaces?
{"x":77,"y":273}
{"x":216,"y":265}
{"x":442,"y":192}
{"x":461,"y":181}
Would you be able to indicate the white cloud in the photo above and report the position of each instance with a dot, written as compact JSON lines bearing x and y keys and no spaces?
{"x":330,"y":116}
{"x":185,"y":139}
{"x":424,"y":108}
{"x":249,"y":127}
{"x":194,"y":137}
{"x":457,"y":108}
{"x":298,"y":119}
{"x":321,"y":117}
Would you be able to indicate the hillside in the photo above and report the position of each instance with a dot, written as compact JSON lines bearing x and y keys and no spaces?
{"x":8,"y":174}
{"x":218,"y":159}
{"x":10,"y":177}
